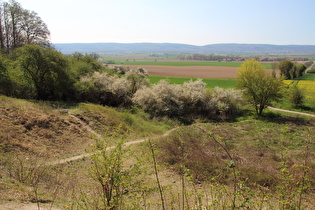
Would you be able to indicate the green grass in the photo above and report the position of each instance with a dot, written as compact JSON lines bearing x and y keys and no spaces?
{"x":210,"y":83}
{"x":190,"y":63}
{"x":306,"y":77}
{"x":261,"y":149}
{"x":125,"y":123}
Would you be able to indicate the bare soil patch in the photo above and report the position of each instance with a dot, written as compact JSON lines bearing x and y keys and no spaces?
{"x":191,"y":71}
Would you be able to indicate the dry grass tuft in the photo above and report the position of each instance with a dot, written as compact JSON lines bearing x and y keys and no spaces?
{"x":28,"y":127}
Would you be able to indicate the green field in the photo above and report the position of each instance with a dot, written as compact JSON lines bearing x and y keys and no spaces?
{"x":190,"y":63}
{"x":210,"y":83}
{"x":306,"y":77}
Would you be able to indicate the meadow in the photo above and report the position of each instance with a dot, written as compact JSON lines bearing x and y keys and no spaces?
{"x":307,"y":77}
{"x":210,"y":83}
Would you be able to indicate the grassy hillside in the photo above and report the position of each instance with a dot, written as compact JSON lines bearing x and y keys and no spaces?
{"x":39,"y":129}
{"x":263,"y":163}
{"x":269,"y":157}
{"x":48,"y":129}
{"x":33,"y":132}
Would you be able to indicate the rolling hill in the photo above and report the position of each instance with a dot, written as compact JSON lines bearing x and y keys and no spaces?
{"x":147,"y":48}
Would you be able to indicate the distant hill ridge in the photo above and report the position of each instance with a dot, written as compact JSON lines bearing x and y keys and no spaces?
{"x":136,"y":48}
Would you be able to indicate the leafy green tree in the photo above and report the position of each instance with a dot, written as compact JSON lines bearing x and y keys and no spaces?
{"x":83,"y":65}
{"x":260,"y":88}
{"x":5,"y":82}
{"x":137,"y":79}
{"x":19,"y":26}
{"x":286,"y":67}
{"x":46,"y":69}
{"x":293,"y":72}
{"x":274,"y":67}
{"x":300,"y":69}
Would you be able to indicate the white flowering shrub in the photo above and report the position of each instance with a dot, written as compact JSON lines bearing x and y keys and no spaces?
{"x":139,"y":71}
{"x":160,"y":99}
{"x":125,"y":70}
{"x":188,"y":101}
{"x":226,"y":101}
{"x":137,"y":79}
{"x":173,"y":100}
{"x":107,"y":89}
{"x":185,"y":102}
{"x":119,"y":69}
{"x":193,"y":97}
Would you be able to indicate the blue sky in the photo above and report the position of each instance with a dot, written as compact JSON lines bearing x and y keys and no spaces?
{"x":197,"y":22}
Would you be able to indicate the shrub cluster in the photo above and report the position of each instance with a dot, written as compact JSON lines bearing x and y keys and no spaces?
{"x":34,"y":72}
{"x":187,"y":101}
{"x":290,"y":70}
{"x":112,"y":90}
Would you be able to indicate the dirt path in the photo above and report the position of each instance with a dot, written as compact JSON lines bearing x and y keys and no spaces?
{"x":99,"y":137}
{"x":293,"y":112}
{"x":310,"y":67}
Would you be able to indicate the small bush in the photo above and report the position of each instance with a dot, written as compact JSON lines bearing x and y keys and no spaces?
{"x":297,"y":96}
{"x":159,"y":100}
{"x":188,"y":148}
{"x":227,"y":101}
{"x":119,"y":69}
{"x":104,"y":89}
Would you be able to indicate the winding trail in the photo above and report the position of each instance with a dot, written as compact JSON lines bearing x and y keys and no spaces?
{"x":293,"y":112}
{"x":310,"y":67}
{"x":137,"y":141}
{"x":99,"y":137}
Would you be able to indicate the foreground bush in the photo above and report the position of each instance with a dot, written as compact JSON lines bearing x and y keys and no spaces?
{"x":296,"y":96}
{"x":111,"y":90}
{"x":227,"y":102}
{"x":187,"y":101}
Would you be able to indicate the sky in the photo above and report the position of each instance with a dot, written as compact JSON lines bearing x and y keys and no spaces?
{"x":196,"y":22}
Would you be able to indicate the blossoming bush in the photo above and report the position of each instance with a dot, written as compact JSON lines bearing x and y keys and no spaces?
{"x":226,"y":101}
{"x":187,"y":101}
{"x":111,"y":90}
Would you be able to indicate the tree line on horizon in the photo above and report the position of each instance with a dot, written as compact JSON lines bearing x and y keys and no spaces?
{"x":214,"y":57}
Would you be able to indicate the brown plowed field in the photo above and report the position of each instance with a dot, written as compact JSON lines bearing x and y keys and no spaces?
{"x":191,"y":71}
